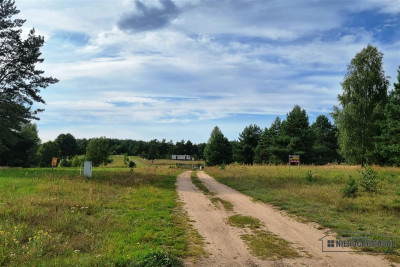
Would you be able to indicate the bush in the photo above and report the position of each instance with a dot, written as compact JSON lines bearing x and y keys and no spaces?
{"x":158,"y":258}
{"x":222,"y":166}
{"x":65,"y":163}
{"x":76,"y":161}
{"x":132,"y":164}
{"x":369,"y":179}
{"x":310,"y":177}
{"x":351,"y":188}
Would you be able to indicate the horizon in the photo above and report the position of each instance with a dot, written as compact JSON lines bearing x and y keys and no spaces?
{"x":176,"y":69}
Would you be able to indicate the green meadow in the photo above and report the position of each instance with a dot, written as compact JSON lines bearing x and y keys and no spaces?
{"x":117,"y":218}
{"x":320,"y":198}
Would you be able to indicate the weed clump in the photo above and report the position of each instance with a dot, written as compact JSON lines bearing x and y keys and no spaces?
{"x":310,"y":177}
{"x":158,"y":258}
{"x":351,"y":189}
{"x":369,"y":179}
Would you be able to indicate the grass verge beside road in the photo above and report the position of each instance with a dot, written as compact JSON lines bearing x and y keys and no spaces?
{"x":321,"y":199}
{"x":116,"y":218}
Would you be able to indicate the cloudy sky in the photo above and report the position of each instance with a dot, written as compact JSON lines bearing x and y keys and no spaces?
{"x":176,"y":68}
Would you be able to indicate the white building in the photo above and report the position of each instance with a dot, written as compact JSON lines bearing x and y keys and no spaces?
{"x":181,"y":157}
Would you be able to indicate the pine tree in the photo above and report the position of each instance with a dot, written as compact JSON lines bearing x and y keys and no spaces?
{"x":20,"y":81}
{"x":390,"y":146}
{"x":218,"y":150}
{"x":296,"y":135}
{"x":248,"y":141}
{"x":325,"y":142}
{"x":262,"y":153}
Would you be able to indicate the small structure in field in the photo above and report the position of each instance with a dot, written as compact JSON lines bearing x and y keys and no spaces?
{"x":181,"y":157}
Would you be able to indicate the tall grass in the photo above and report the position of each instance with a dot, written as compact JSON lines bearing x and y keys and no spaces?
{"x":321,"y":199}
{"x":116,"y":218}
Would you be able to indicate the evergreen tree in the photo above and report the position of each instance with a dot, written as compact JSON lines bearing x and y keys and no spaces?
{"x":262,"y":151}
{"x":296,"y":135}
{"x":23,"y":151}
{"x":218,"y":149}
{"x":359,"y":120}
{"x":20,"y":81}
{"x":325,"y":142}
{"x":390,"y":144}
{"x":277,"y":148}
{"x":248,"y":141}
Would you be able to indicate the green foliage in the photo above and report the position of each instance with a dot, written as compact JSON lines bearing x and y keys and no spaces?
{"x":222,"y":166}
{"x":325,"y":141}
{"x":218,"y":149}
{"x":20,"y":81}
{"x":157,"y":258}
{"x":351,"y":189}
{"x":369,"y":179}
{"x":248,"y":141}
{"x":310,"y":177}
{"x":97,"y":151}
{"x":67,"y":145}
{"x":132,"y":164}
{"x":276,"y":149}
{"x":296,"y":135}
{"x":76,"y":161}
{"x":389,"y":144}
{"x":262,"y":151}
{"x":359,"y":120}
{"x":21,"y":150}
{"x":46,"y":152}
{"x":65,"y":163}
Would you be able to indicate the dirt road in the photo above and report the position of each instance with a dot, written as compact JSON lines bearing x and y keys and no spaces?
{"x":223,"y":241}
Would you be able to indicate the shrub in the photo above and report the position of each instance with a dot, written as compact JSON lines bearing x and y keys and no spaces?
{"x":222,"y":166}
{"x":76,"y":161}
{"x":132,"y":164}
{"x":369,"y":179}
{"x":310,"y":177}
{"x":158,"y":258}
{"x":351,"y":189}
{"x":65,"y":163}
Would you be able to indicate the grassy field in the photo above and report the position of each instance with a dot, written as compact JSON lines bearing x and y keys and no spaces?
{"x":320,"y":199}
{"x":118,"y":162}
{"x":117,"y":218}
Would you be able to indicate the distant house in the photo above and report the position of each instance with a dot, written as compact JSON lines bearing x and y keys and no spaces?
{"x":181,"y":157}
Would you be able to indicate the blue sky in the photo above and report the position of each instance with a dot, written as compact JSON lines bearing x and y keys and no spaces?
{"x":174,"y":69}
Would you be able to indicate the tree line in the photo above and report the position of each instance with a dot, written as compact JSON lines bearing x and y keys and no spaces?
{"x":365,"y":129}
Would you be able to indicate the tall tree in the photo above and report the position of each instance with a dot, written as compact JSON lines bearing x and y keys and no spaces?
{"x":359,"y":120}
{"x":297,"y":135}
{"x":218,"y":149}
{"x":46,"y":152}
{"x":67,"y":144}
{"x":277,"y":148}
{"x":98,"y":151}
{"x":389,"y":146}
{"x":23,"y":151}
{"x":248,"y":141}
{"x":325,"y":141}
{"x":262,"y":152}
{"x":20,"y":81}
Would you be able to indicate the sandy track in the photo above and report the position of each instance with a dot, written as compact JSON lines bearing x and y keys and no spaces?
{"x":221,"y":240}
{"x":300,"y":234}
